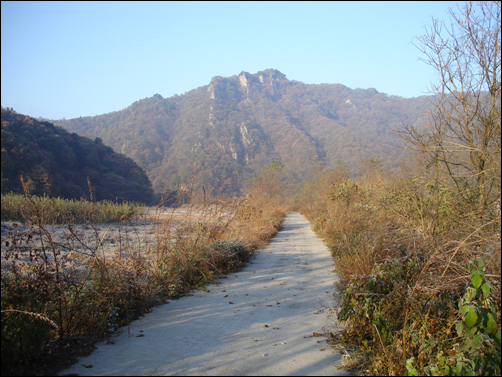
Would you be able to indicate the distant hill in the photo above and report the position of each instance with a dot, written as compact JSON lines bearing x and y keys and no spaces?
{"x":55,"y":162}
{"x":231,"y":128}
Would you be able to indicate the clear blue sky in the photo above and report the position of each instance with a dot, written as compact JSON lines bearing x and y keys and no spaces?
{"x":71,"y":59}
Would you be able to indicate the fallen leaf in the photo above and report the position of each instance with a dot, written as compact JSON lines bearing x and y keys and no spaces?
{"x":140,"y":336}
{"x":275,"y":328}
{"x":269,"y":305}
{"x":265,"y":326}
{"x":87,"y":365}
{"x":225,"y":296}
{"x":230,"y":302}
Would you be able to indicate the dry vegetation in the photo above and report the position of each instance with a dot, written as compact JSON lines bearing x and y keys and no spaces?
{"x":402,"y":247}
{"x":418,"y":252}
{"x":61,"y":294}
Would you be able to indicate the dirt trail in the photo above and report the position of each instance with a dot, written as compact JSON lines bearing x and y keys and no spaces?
{"x":255,"y":322}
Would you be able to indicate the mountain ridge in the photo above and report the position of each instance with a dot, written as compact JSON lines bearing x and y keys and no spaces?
{"x":58,"y":163}
{"x":232,"y":127}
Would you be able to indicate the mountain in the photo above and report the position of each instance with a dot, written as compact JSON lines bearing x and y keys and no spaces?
{"x":231,"y":128}
{"x":53,"y":161}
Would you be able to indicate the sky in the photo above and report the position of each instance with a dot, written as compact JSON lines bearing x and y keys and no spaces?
{"x":71,"y":59}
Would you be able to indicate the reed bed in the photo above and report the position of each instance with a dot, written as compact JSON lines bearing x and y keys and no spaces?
{"x":16,"y":207}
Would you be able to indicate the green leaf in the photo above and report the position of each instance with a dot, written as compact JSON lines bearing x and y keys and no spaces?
{"x":496,"y":337}
{"x":470,"y":317}
{"x":476,"y":264}
{"x":470,"y":294}
{"x":459,"y":368}
{"x":463,"y":308}
{"x":460,"y":328}
{"x":476,"y":279}
{"x":467,"y":345}
{"x":445,"y":371}
{"x":486,"y":289}
{"x":409,"y":366}
{"x":477,"y":340}
{"x":491,"y":325}
{"x":442,"y":360}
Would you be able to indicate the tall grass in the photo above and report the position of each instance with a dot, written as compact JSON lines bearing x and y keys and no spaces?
{"x":60,"y":291}
{"x":411,"y":263}
{"x":16,"y":207}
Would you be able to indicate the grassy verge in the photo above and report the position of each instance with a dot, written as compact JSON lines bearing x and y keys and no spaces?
{"x":419,"y":274}
{"x":59,"y":296}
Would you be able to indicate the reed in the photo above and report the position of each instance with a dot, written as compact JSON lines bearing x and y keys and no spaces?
{"x":15,"y":207}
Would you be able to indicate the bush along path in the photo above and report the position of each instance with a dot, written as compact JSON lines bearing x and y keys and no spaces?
{"x":262,"y":320}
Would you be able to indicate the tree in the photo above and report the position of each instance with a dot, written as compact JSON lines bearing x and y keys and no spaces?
{"x":268,"y":184}
{"x":463,"y":133}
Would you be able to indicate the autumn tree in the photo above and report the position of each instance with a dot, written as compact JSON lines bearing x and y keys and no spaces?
{"x":463,"y":133}
{"x":268,"y":185}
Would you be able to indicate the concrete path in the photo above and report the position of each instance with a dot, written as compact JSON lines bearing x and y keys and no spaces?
{"x":258,"y":321}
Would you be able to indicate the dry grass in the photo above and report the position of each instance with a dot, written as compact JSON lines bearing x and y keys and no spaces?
{"x":17,"y":207}
{"x":89,"y":293}
{"x":402,"y":247}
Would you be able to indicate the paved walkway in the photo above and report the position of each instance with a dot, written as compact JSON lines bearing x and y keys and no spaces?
{"x":258,"y":321}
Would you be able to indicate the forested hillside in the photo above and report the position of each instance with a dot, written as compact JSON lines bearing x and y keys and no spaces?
{"x":233,"y":127}
{"x":53,"y":161}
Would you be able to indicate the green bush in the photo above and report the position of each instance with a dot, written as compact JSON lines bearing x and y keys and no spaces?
{"x":477,"y":348}
{"x":443,"y":332}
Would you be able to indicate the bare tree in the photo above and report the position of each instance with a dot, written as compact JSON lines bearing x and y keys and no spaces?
{"x":463,"y":133}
